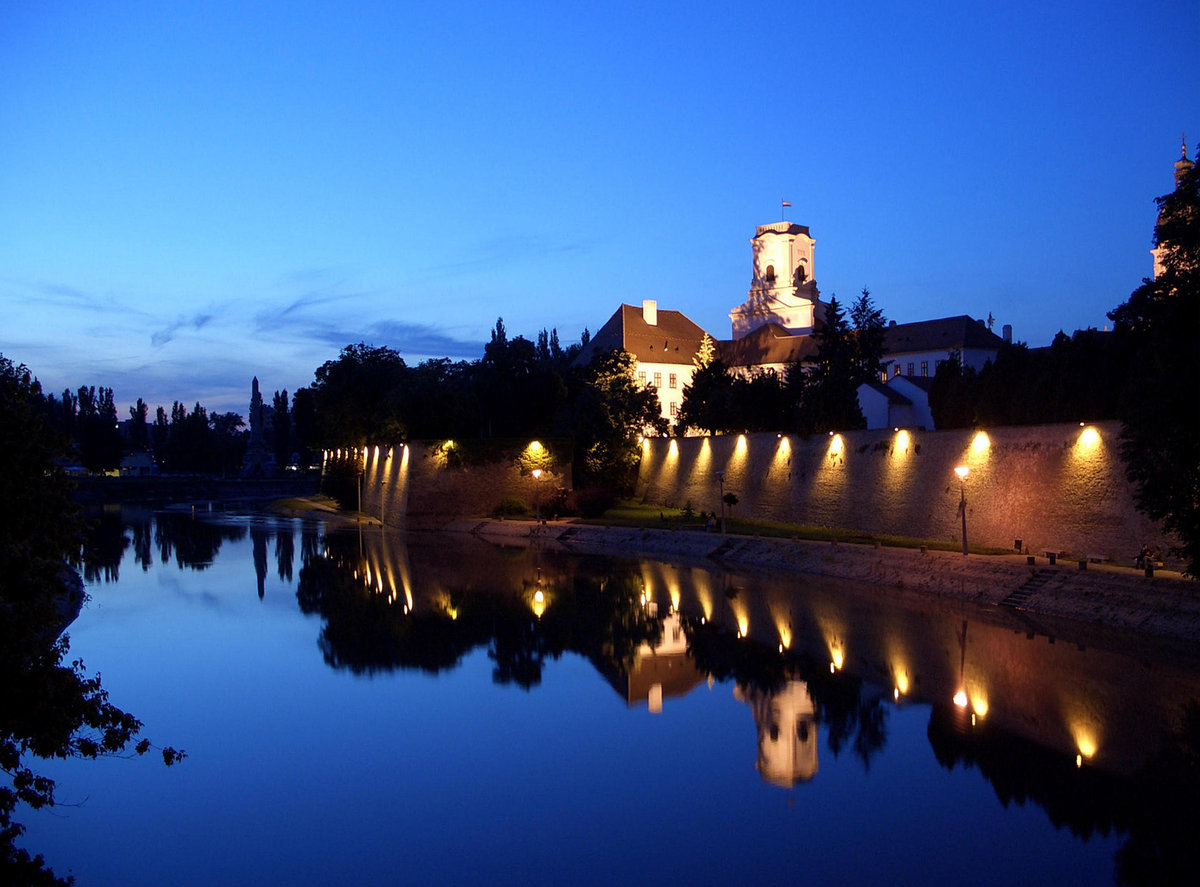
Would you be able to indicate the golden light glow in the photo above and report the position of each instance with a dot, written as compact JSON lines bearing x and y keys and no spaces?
{"x":901,"y":682}
{"x":1086,"y":745}
{"x":903,"y":440}
{"x":784,"y":448}
{"x":960,"y":698}
{"x":539,"y":603}
{"x":838,"y":658}
{"x":1089,"y":438}
{"x":836,"y":445}
{"x":673,"y":449}
{"x":979,"y":705}
{"x":537,"y":473}
{"x":785,"y":638}
{"x":535,"y":446}
{"x":743,"y":626}
{"x":962,"y":471}
{"x":981,"y":443}
{"x":740,"y":448}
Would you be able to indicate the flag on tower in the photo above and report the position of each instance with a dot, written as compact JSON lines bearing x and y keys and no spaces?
{"x":785,"y":203}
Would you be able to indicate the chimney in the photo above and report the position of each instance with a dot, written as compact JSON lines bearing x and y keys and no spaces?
{"x":1006,"y":330}
{"x":650,"y":311}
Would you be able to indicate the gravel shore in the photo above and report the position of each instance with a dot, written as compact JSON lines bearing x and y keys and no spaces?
{"x":1166,"y":606}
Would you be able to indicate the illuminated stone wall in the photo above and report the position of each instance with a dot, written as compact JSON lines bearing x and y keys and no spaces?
{"x":427,"y":484}
{"x":1059,"y":487}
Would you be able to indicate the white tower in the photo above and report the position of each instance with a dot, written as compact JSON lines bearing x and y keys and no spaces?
{"x":783,"y":289}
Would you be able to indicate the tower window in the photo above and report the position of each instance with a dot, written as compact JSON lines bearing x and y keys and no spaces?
{"x":770,"y":274}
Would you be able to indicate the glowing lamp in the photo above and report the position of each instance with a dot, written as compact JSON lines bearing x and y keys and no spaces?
{"x":962,"y":471}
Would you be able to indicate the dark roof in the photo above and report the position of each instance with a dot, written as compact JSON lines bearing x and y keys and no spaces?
{"x":925,"y":383}
{"x":770,"y":343}
{"x":944,"y":334}
{"x":893,"y":396}
{"x":674,"y":339}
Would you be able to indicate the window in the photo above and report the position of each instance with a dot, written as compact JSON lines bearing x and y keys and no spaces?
{"x":658,"y":380}
{"x":883,"y":375}
{"x":673,"y":380}
{"x":674,"y":409}
{"x":910,"y":370}
{"x":895,"y":369}
{"x":924,"y":368}
{"x":642,"y":379}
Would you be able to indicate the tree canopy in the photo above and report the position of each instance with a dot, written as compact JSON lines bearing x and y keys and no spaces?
{"x":1159,"y":325}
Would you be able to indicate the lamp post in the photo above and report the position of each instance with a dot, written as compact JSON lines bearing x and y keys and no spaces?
{"x":721,"y":485}
{"x":962,"y":471}
{"x":537,"y":501}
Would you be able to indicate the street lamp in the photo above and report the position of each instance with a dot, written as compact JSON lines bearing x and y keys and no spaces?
{"x":721,"y":484}
{"x":537,"y":502}
{"x":962,"y":471}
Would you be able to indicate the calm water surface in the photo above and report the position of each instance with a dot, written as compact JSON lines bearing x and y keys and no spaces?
{"x":363,"y":709}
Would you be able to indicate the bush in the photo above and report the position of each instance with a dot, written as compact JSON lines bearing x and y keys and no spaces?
{"x":594,"y":501}
{"x":340,"y":482}
{"x":511,"y":506}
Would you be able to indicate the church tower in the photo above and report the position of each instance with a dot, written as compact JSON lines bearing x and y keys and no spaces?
{"x":783,"y":288}
{"x":1182,"y":167}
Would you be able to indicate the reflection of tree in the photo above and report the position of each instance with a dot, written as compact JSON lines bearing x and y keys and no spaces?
{"x":841,"y":706}
{"x":104,"y":545}
{"x":367,"y":630}
{"x":193,"y":543}
{"x":285,"y":549}
{"x":47,"y":708}
{"x":1165,"y":805}
{"x":1084,"y":800}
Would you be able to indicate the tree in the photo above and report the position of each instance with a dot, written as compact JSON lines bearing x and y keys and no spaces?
{"x":281,"y":429}
{"x":139,"y":434}
{"x":357,"y":397}
{"x":867,"y":342}
{"x":830,"y":392}
{"x":611,"y":410}
{"x":708,"y":399}
{"x":1160,"y":440}
{"x":47,"y":708}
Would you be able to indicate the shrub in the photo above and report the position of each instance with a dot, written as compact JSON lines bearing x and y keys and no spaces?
{"x":511,"y":506}
{"x":594,"y":501}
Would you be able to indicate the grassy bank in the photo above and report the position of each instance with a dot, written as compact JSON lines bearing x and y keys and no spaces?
{"x":634,"y":514}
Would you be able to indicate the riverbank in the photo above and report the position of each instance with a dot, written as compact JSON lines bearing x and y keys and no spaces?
{"x":1166,"y":606}
{"x":170,"y":489}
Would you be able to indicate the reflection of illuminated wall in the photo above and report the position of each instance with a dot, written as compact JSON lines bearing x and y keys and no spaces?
{"x":787,"y":732}
{"x":1051,"y":486}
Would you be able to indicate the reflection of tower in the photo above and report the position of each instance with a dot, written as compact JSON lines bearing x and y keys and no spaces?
{"x":662,"y":671}
{"x":787,"y":732}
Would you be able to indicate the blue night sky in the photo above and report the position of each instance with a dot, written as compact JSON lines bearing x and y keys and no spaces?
{"x":192,"y":194}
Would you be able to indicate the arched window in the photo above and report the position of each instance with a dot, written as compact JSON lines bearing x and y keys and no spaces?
{"x":801,"y":274}
{"x":770,"y":274}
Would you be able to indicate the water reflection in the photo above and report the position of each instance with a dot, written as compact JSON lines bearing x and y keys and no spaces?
{"x":1054,"y":714}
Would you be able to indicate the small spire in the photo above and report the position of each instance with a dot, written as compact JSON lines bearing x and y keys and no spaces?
{"x":1183,"y":146}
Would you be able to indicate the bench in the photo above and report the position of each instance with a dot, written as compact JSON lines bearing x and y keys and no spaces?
{"x":1097,"y":559}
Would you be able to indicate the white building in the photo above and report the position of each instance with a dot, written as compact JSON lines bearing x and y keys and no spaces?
{"x":664,"y":344}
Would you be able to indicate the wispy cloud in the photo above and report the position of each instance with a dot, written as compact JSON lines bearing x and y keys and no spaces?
{"x":196,"y":322}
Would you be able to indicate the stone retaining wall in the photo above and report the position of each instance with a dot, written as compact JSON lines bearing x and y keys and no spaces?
{"x":1053,"y":487}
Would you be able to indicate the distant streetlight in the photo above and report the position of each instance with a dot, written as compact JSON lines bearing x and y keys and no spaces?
{"x":962,"y":471}
{"x":721,"y":484}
